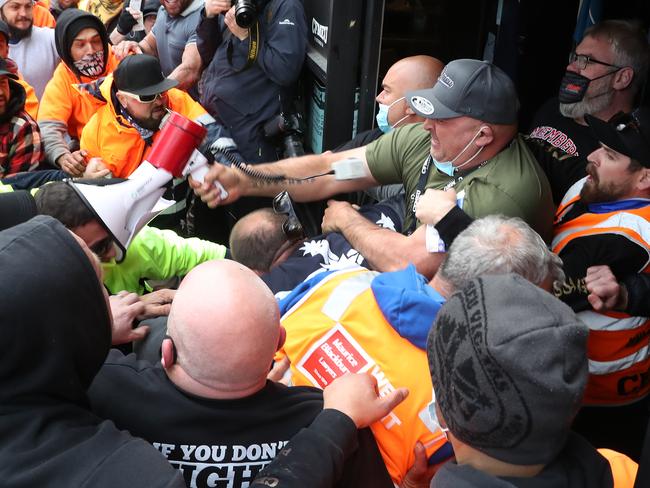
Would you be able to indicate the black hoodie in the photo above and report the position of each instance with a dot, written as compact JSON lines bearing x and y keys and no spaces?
{"x":16,"y":102}
{"x":56,"y":331}
{"x":66,"y":30}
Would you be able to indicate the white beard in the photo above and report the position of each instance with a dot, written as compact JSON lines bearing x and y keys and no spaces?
{"x":589,"y":104}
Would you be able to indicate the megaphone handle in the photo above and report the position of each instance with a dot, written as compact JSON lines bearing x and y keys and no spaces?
{"x":199,"y":175}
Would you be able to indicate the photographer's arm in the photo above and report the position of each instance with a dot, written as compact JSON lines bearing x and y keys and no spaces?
{"x":237,"y":184}
{"x":208,"y":32}
{"x":283,"y":44}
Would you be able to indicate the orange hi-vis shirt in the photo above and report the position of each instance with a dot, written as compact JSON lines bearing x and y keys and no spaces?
{"x":42,"y":16}
{"x":66,"y":97}
{"x":624,"y":469}
{"x":619,"y":344}
{"x":110,"y":136}
{"x":337,"y":327}
{"x":31,"y":101}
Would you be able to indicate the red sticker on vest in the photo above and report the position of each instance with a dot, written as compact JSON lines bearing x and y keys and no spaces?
{"x":333,"y":355}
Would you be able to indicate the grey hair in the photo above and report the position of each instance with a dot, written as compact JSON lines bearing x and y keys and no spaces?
{"x":629,"y":46}
{"x":496,"y":245}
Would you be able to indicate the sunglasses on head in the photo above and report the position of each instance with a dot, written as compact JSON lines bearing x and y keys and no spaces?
{"x":291,"y":227}
{"x":622,"y":122}
{"x":102,"y":247}
{"x":142,"y":98}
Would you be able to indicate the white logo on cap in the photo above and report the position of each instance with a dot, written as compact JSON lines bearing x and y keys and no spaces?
{"x":422,"y":105}
{"x":445,"y":79}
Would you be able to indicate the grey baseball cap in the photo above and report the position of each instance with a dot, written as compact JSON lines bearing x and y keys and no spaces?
{"x":468,"y":87}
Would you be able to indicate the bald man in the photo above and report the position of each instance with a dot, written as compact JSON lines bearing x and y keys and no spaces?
{"x":407,"y":74}
{"x":208,"y":406}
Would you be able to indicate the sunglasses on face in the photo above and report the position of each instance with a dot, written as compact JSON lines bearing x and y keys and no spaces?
{"x":102,"y":247}
{"x":142,"y":98}
{"x":291,"y":227}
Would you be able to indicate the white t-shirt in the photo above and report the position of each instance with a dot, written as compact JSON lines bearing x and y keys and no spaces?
{"x":36,"y":57}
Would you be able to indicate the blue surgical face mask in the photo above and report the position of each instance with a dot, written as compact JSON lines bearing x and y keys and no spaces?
{"x":382,"y":117}
{"x":433,"y":417}
{"x":447,"y":167}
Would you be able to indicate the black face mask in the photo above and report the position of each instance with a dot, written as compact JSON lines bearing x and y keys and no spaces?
{"x":574,"y":86}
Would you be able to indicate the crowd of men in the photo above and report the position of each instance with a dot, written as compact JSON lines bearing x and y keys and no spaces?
{"x":481,"y":318}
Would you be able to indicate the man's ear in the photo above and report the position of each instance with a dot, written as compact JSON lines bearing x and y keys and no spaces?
{"x":282,"y":338}
{"x":485,"y":137}
{"x":167,"y":352}
{"x":643,"y":183}
{"x":623,"y":78}
{"x":121,"y":98}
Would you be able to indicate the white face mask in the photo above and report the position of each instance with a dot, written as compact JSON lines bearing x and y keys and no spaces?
{"x":91,"y":64}
{"x":448,"y":167}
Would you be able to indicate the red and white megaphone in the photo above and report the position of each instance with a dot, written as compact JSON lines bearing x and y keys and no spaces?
{"x":124,"y":208}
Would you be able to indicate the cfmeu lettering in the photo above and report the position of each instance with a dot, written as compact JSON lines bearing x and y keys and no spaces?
{"x":632,"y":384}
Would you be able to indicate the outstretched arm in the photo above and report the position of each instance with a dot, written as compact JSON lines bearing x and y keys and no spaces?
{"x":315,"y":457}
{"x":384,"y":249}
{"x":238,"y":184}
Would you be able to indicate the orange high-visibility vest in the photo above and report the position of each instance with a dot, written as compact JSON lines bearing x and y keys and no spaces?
{"x":623,"y":468}
{"x":619,"y":344}
{"x":42,"y":16}
{"x":338,"y":327}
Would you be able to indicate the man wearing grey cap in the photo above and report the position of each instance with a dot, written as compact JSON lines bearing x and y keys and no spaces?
{"x":602,"y":233}
{"x":508,"y":363}
{"x":469,"y":142}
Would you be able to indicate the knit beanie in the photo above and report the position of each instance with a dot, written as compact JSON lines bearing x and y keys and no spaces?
{"x":508,"y":363}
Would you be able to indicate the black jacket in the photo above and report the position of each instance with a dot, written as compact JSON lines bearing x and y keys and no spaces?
{"x":315,"y":458}
{"x":329,"y":453}
{"x":56,"y":331}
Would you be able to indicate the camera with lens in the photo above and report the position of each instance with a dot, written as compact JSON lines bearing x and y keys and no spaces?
{"x":287,"y":129}
{"x":245,"y":12}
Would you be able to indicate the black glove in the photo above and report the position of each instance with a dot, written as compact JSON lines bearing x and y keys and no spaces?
{"x":126,"y":22}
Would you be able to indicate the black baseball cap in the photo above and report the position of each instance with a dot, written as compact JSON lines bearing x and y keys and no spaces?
{"x":626,"y":133}
{"x":472,"y":88}
{"x":4,"y":29}
{"x":141,"y":74}
{"x":4,"y":70}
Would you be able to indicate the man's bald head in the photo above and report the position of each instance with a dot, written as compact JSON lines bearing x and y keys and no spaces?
{"x":257,"y":239}
{"x":407,"y":74}
{"x":225,"y":325}
{"x":422,"y":71}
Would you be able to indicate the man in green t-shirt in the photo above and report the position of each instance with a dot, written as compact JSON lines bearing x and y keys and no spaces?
{"x":469,"y":142}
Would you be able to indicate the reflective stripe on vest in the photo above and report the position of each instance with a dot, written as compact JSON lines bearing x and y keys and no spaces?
{"x":570,"y":197}
{"x":625,"y":223}
{"x":336,"y":327}
{"x":619,"y":356}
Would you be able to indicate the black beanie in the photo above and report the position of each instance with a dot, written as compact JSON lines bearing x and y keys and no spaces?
{"x":15,"y":208}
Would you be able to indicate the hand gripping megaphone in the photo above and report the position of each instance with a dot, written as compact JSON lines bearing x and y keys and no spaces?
{"x":124,"y":208}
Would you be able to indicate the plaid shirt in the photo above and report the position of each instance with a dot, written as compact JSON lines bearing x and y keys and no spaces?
{"x":21,"y":146}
